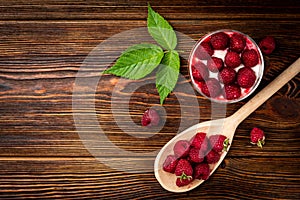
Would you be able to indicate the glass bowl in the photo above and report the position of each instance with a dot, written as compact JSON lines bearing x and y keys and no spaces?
{"x":202,"y":55}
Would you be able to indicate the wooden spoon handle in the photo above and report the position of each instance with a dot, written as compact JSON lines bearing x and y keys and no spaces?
{"x":267,"y":92}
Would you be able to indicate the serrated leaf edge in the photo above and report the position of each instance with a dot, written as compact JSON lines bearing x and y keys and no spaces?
{"x":124,"y":53}
{"x":152,"y":13}
{"x":162,"y":87}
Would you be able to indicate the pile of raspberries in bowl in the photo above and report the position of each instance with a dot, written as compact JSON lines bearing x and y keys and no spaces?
{"x":226,"y":66}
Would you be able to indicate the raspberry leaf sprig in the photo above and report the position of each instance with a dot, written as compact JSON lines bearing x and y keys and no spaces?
{"x":140,"y":60}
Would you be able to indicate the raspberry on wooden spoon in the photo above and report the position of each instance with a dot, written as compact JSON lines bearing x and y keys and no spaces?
{"x":200,"y":141}
{"x":170,"y":163}
{"x":181,"y":148}
{"x":219,"y":142}
{"x":202,"y":171}
{"x":196,"y":155}
{"x":184,"y":172}
{"x":212,"y":157}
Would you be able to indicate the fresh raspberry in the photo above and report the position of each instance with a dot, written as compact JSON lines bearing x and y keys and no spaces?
{"x":204,"y":51}
{"x":219,"y":41}
{"x":184,"y":172}
{"x":219,"y":142}
{"x":180,"y":182}
{"x":201,"y":171}
{"x":215,"y":64}
{"x":200,"y":71}
{"x":227,"y":75}
{"x":170,"y":164}
{"x":232,"y":59}
{"x":150,"y":118}
{"x":181,"y":148}
{"x":257,"y":137}
{"x":211,"y":88}
{"x":184,"y":166}
{"x":250,"y":58}
{"x":232,"y":91}
{"x":246,"y":77}
{"x":237,"y":42}
{"x":200,"y":141}
{"x":267,"y":45}
{"x":196,"y":155}
{"x":212,"y":157}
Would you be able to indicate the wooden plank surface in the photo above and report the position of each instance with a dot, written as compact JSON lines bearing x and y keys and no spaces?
{"x":85,"y":178}
{"x":43,"y":45}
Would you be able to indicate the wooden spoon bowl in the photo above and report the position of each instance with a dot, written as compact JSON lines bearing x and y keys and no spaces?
{"x":226,"y":126}
{"x":209,"y":127}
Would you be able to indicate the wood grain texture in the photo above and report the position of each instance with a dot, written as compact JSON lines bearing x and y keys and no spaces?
{"x":86,"y":178}
{"x":42,"y":47}
{"x":111,"y":10}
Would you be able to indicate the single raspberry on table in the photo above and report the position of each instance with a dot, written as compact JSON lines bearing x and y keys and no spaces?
{"x":232,"y":91}
{"x":204,"y":51}
{"x":237,"y":42}
{"x":200,"y":141}
{"x":184,"y":172}
{"x":219,"y":41}
{"x":267,"y":45}
{"x":246,"y":77}
{"x":215,"y":64}
{"x":212,"y":157}
{"x":227,"y":75}
{"x":232,"y":59}
{"x":200,"y":71}
{"x":219,"y":142}
{"x":250,"y":58}
{"x":257,"y":137}
{"x":211,"y":88}
{"x":196,"y":155}
{"x":201,"y":171}
{"x":181,"y":148}
{"x":150,"y":118}
{"x":170,"y":164}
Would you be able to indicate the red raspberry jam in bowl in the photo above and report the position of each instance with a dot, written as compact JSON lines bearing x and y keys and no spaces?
{"x":226,"y":66}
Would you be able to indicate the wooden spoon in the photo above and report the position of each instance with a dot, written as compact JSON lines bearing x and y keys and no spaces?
{"x":225,"y":126}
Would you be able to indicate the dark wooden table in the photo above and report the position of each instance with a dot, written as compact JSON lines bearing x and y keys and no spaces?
{"x":49,"y":147}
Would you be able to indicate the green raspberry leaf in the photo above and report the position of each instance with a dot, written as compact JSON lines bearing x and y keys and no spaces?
{"x":167,"y":74}
{"x":160,"y":29}
{"x":137,"y":61}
